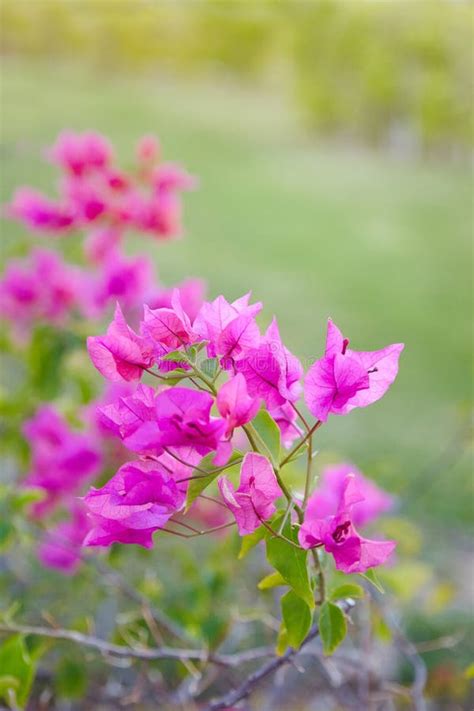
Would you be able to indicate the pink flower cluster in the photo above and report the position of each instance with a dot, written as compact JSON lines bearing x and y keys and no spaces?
{"x":62,"y":458}
{"x":94,"y":191}
{"x":41,"y":288}
{"x":234,"y":371}
{"x":97,"y":197}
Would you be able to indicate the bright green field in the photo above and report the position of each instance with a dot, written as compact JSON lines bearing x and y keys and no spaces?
{"x":381,"y":245}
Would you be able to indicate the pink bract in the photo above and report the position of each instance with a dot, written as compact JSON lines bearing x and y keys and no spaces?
{"x":336,"y":533}
{"x":344,"y":379}
{"x":137,"y":501}
{"x":254,"y":500}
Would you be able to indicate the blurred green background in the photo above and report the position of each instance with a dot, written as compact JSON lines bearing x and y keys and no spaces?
{"x":333,"y":145}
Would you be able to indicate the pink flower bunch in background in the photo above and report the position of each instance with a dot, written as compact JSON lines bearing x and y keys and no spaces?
{"x":61,"y":458}
{"x":219,"y":377}
{"x":42,"y":287}
{"x":101,"y":202}
{"x":94,"y":192}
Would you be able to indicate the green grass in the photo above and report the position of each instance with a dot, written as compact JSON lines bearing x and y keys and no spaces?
{"x":380,"y":245}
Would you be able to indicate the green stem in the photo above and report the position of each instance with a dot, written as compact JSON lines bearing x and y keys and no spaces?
{"x":249,"y":431}
{"x":298,"y":446}
{"x":309,"y":462}
{"x":320,"y":574}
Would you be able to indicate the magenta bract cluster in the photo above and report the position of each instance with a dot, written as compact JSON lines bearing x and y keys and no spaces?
{"x":189,"y":415}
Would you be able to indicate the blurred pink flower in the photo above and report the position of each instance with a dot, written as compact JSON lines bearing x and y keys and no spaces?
{"x":325,"y":500}
{"x":61,"y":458}
{"x":39,"y":212}
{"x":78,"y":153}
{"x":61,"y":545}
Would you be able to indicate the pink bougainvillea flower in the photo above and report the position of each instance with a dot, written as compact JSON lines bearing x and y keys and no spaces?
{"x":325,"y":500}
{"x":168,"y":328}
{"x":101,"y":244}
{"x":121,"y":354}
{"x":170,"y":176}
{"x":344,"y":379}
{"x":40,"y":213}
{"x":137,"y":501}
{"x":62,"y":459}
{"x":238,"y":336}
{"x":78,"y":153}
{"x":129,"y":412}
{"x":61,"y":545}
{"x":191,"y":295}
{"x":183,"y":419}
{"x":254,"y":500}
{"x":88,"y":198}
{"x":148,"y":149}
{"x":159,"y":214}
{"x":123,"y":280}
{"x":285,"y":417}
{"x":337,"y":534}
{"x":235,"y":404}
{"x":214,"y":322}
{"x":271,"y":371}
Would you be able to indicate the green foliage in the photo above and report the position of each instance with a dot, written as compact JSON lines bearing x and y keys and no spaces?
{"x":45,"y":357}
{"x":272,"y":580}
{"x":371,"y":577}
{"x":332,"y":626}
{"x":70,"y":679}
{"x":360,"y":69}
{"x":346,"y":590}
{"x":201,"y":482}
{"x":17,"y":671}
{"x":251,"y":540}
{"x":268,"y":435}
{"x":209,"y":367}
{"x":297,"y":618}
{"x":290,"y":562}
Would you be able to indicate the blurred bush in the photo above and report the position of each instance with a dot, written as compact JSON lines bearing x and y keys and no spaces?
{"x":392,"y":73}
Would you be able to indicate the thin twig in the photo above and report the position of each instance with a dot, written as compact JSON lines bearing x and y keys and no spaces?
{"x":145,"y":653}
{"x":247,"y":686}
{"x":299,"y":444}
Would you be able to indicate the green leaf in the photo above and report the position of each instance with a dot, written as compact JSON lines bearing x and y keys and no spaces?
{"x":282,"y":640}
{"x":297,"y":618}
{"x":16,"y":662}
{"x":45,"y":358}
{"x":290,"y":562}
{"x":7,"y":534}
{"x":251,"y":540}
{"x":70,"y":679}
{"x":332,"y":626}
{"x":210,"y":366}
{"x":271,"y":581}
{"x":371,"y":576}
{"x":201,"y":481}
{"x":176,"y":376}
{"x":8,"y":684}
{"x":23,"y":498}
{"x":268,"y":433}
{"x":346,"y":590}
{"x":175,"y":357}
